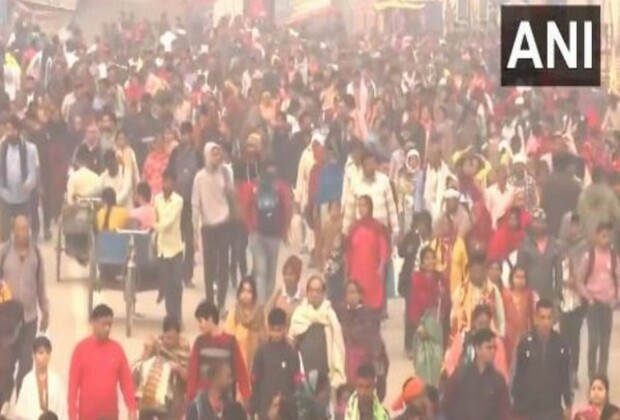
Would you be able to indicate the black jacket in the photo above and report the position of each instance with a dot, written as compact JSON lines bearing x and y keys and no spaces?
{"x":275,"y":371}
{"x":471,"y":395}
{"x":542,"y":375}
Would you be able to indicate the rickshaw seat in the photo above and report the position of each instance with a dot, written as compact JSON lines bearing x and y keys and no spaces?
{"x":111,"y":248}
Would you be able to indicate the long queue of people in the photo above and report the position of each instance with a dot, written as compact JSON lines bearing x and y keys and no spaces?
{"x":502,"y":205}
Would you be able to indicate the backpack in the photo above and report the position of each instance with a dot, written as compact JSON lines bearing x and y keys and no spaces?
{"x":269,"y":217}
{"x":614,"y":264}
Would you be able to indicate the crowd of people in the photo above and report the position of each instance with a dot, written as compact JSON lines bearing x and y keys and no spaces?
{"x":388,"y":165}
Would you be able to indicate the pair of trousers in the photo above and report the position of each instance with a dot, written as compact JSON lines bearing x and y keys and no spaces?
{"x":570,"y":330}
{"x":187,"y":234}
{"x":216,"y":242}
{"x":9,"y":212}
{"x":408,"y":331}
{"x":599,"y":318}
{"x":23,"y":356}
{"x":265,"y":251}
{"x":45,"y":202}
{"x":239,"y":249}
{"x":171,"y":281}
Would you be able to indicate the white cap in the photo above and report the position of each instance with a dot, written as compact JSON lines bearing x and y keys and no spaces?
{"x":319,"y":136}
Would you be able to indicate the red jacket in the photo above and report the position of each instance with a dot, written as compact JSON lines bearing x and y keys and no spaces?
{"x":285,"y":201}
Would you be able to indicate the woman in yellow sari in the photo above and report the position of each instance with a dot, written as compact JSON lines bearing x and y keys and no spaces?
{"x":450,"y":253}
{"x":247,"y":321}
{"x":111,"y":217}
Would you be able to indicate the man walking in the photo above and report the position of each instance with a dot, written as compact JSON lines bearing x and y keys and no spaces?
{"x":213,"y":207}
{"x":168,"y":212}
{"x":184,"y":163}
{"x":478,"y":391}
{"x":98,"y":368}
{"x":598,"y":285}
{"x":18,"y":175}
{"x":270,"y":216}
{"x":542,"y":371}
{"x":21,"y":267}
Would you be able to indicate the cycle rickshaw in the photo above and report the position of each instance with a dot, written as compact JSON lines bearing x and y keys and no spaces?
{"x":75,"y":235}
{"x":123,"y":261}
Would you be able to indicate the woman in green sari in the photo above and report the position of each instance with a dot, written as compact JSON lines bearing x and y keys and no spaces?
{"x":429,"y":306}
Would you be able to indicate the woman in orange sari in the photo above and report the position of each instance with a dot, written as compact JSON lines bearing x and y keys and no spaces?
{"x":367,"y":253}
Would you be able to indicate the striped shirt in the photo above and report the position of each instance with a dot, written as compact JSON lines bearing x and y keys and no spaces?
{"x":380,"y":191}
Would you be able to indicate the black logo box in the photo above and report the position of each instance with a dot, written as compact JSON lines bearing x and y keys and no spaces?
{"x":526,"y":74}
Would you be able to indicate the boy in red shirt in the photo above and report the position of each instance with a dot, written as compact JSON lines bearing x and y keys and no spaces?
{"x":212,"y":346}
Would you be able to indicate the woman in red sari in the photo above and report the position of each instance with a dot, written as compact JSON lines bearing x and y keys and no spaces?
{"x":367,"y":253}
{"x":511,"y":230}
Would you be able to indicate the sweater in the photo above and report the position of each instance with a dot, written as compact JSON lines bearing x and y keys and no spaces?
{"x":208,"y":349}
{"x":97,"y":369}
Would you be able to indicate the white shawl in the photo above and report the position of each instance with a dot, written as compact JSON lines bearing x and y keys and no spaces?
{"x":306,"y":315}
{"x":27,"y":407}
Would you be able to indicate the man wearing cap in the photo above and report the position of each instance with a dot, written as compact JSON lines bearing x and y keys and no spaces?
{"x":540,"y":254}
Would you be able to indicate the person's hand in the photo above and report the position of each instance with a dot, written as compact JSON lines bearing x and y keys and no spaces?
{"x":45,"y":321}
{"x":176,"y":368}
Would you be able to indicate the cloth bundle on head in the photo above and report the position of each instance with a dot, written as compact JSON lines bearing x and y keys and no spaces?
{"x":413,"y":389}
{"x":451,"y":193}
{"x":519,"y":159}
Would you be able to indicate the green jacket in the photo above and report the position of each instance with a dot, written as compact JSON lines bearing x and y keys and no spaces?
{"x":353,"y":413}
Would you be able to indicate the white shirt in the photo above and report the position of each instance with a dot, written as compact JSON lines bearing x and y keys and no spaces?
{"x":28,"y":407}
{"x":497,"y":201}
{"x":435,"y":184}
{"x":380,"y":192}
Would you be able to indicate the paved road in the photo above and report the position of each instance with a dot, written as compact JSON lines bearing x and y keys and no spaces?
{"x":69,"y":324}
